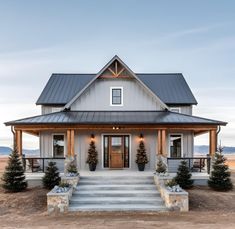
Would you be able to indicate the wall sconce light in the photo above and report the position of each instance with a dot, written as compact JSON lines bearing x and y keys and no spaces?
{"x":116,"y":127}
{"x":141,"y":137}
{"x":92,"y":137}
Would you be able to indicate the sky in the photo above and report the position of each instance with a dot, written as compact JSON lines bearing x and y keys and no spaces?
{"x":196,"y":38}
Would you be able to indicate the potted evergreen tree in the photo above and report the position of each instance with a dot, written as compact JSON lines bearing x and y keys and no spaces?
{"x":161,"y":167}
{"x":141,"y":156}
{"x":13,"y":177}
{"x":92,"y":159}
{"x":220,"y":176}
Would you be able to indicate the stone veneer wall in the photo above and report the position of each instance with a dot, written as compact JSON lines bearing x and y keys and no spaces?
{"x":173,"y":200}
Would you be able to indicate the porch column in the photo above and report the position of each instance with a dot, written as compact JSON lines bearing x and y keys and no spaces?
{"x":159,"y":142}
{"x":213,"y":146}
{"x":163,"y":135}
{"x":68,"y":143}
{"x":18,"y":139}
{"x":72,"y":143}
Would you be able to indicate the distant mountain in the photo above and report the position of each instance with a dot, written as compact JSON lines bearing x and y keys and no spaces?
{"x":204,"y":149}
{"x":7,"y":150}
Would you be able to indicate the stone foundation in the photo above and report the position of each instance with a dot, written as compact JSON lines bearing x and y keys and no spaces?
{"x":176,"y":201}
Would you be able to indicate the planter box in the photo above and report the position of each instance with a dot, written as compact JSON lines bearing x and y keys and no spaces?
{"x":58,"y":202}
{"x":73,"y":181}
{"x":176,"y":201}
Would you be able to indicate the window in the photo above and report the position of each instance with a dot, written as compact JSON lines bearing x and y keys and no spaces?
{"x":116,"y":96}
{"x":58,"y":145}
{"x":56,"y":109}
{"x":175,"y":145}
{"x":175,"y":109}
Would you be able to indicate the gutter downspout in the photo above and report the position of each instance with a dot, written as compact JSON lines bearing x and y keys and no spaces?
{"x":217,"y":133}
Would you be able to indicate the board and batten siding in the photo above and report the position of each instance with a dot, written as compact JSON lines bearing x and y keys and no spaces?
{"x":97,"y":96}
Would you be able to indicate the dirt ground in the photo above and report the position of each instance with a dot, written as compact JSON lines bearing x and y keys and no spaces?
{"x":208,"y":209}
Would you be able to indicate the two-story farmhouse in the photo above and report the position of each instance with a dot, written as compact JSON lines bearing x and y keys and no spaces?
{"x":116,"y":107}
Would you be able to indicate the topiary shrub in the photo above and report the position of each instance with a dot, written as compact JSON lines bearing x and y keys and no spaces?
{"x":161,"y":167}
{"x":220,"y":176}
{"x":72,"y":168}
{"x":183,"y":177}
{"x":141,"y":156}
{"x":52,"y":176}
{"x":92,"y":159}
{"x":13,"y":177}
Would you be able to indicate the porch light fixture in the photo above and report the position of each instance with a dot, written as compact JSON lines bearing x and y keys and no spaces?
{"x":141,"y":137}
{"x":116,"y":127}
{"x":92,"y":137}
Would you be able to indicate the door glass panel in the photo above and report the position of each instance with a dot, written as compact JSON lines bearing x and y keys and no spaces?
{"x":126,"y":151}
{"x":175,"y":146}
{"x":106,"y":151}
{"x":116,"y":144}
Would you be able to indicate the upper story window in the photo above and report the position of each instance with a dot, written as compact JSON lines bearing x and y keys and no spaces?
{"x":175,"y":109}
{"x":116,"y":96}
{"x":58,"y":145}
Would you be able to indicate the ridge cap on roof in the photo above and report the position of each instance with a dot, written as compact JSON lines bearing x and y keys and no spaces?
{"x":157,"y":73}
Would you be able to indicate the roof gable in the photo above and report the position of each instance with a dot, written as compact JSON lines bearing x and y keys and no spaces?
{"x":115,"y":62}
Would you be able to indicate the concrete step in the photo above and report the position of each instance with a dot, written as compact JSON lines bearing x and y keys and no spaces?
{"x":95,"y":178}
{"x":117,"y":200}
{"x":116,"y":187}
{"x":117,"y":207}
{"x":117,"y":193}
{"x":126,"y":182}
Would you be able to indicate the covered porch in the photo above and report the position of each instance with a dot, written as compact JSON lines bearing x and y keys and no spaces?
{"x":156,"y":128}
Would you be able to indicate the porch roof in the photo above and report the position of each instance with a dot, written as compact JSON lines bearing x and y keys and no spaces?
{"x":114,"y":118}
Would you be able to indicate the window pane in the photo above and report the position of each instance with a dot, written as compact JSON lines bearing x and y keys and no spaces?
{"x":175,"y":146}
{"x":177,"y":110}
{"x":58,"y":145}
{"x":116,"y":92}
{"x":116,"y":144}
{"x":116,"y":100}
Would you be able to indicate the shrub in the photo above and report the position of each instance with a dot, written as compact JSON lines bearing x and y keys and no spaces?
{"x":72,"y":168}
{"x":220,"y":176}
{"x":92,"y":154}
{"x":183,"y":177}
{"x":52,"y":176}
{"x":161,"y":167}
{"x":171,"y":183}
{"x":13,"y":177}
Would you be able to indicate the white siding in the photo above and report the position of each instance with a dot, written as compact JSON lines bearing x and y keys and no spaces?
{"x":184,"y":109}
{"x":50,"y":109}
{"x":97,"y":96}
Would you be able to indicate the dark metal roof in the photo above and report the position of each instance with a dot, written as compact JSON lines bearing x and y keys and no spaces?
{"x":170,"y":88}
{"x":115,"y":117}
{"x":61,"y":88}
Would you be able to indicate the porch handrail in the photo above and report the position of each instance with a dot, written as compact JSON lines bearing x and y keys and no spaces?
{"x":202,"y":160}
{"x":33,"y":161}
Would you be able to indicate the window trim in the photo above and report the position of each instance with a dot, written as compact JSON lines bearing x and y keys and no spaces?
{"x":65,"y":143}
{"x":111,"y":97}
{"x":169,"y":144}
{"x":175,"y":108}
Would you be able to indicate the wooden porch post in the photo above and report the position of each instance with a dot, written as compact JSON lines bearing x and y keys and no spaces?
{"x":72,"y":143}
{"x":164,"y":153}
{"x":18,"y":139}
{"x":68,"y":143}
{"x":212,"y":147}
{"x":159,"y":142}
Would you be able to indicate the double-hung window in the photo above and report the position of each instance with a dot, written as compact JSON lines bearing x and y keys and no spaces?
{"x":116,"y":96}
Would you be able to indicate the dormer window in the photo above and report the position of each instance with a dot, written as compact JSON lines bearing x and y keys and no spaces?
{"x":116,"y":96}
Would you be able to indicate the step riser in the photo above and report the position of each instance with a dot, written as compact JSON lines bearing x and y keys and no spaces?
{"x":116,"y":195}
{"x":80,"y":202}
{"x":116,"y":182}
{"x":115,"y":188}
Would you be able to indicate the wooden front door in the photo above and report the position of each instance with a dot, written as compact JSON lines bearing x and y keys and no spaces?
{"x":116,"y":152}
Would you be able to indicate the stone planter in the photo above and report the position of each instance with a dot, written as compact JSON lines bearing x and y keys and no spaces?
{"x":72,"y":180}
{"x":58,"y":202}
{"x":176,"y":201}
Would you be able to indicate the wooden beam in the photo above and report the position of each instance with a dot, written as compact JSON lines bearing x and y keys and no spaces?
{"x":68,"y":143}
{"x":213,"y":146}
{"x":163,"y":135}
{"x":72,"y":143}
{"x":120,"y":72}
{"x":159,"y":142}
{"x":112,"y":71}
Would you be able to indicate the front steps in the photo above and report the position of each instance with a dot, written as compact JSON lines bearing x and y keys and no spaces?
{"x":116,"y":193}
